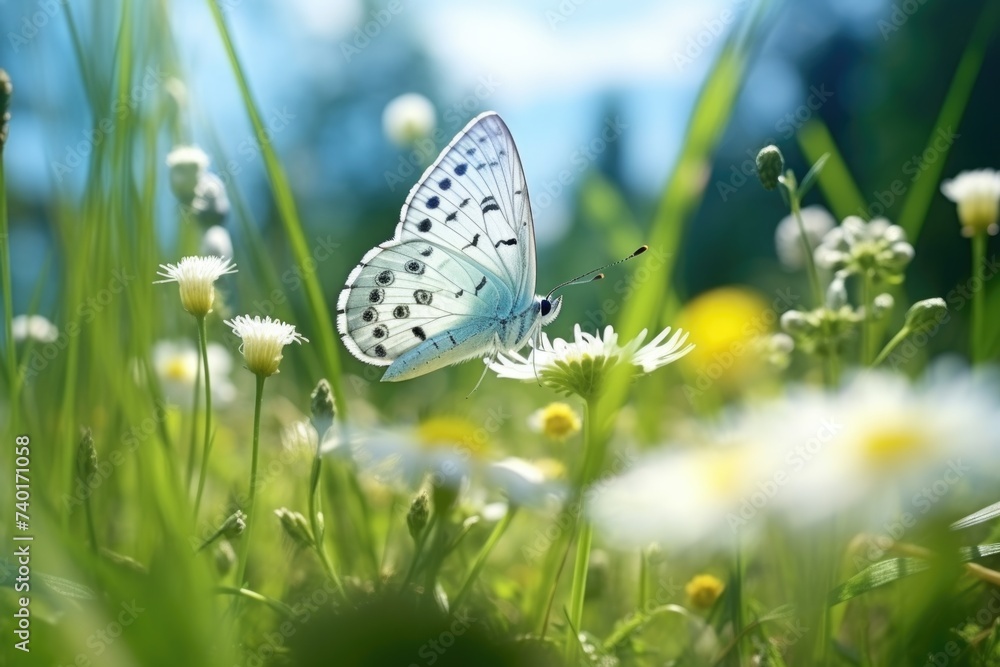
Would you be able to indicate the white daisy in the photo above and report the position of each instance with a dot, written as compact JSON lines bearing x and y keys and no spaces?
{"x":892,"y":446}
{"x":176,"y":365}
{"x":35,"y":328}
{"x":578,"y":367}
{"x":977,"y":194}
{"x":816,"y":220}
{"x":684,"y":495}
{"x":263,"y":342}
{"x":196,"y":277}
{"x":408,"y":118}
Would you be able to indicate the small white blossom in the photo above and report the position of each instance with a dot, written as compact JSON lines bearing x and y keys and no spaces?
{"x":877,"y":248}
{"x":176,"y":365}
{"x":977,"y":194}
{"x":263,"y":342}
{"x":196,"y":277}
{"x":408,"y":118}
{"x":34,"y":328}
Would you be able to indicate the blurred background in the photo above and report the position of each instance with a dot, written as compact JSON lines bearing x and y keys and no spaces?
{"x":876,"y":73}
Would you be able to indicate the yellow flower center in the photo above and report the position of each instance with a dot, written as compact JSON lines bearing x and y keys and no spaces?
{"x":178,"y":369}
{"x":452,"y":432}
{"x":724,"y":470}
{"x":559,"y":421}
{"x":703,"y":590}
{"x":887,"y":445}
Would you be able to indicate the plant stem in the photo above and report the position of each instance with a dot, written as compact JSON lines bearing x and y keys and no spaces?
{"x":643,"y":595}
{"x":315,"y":524}
{"x":976,"y":343}
{"x":14,"y":380}
{"x":91,"y":531}
{"x":192,"y":453}
{"x":867,"y":324}
{"x":592,"y":459}
{"x":483,"y":554}
{"x":892,"y":345}
{"x":207,"y":445}
{"x":807,"y":249}
{"x":248,"y":533}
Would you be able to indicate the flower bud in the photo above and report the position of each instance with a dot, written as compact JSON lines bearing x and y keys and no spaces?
{"x":416,"y":518}
{"x":882,"y":305}
{"x":926,"y":313}
{"x":6,"y":91}
{"x":225,"y":557}
{"x":210,"y":202}
{"x":187,"y":165}
{"x":295,"y":526}
{"x":770,"y":164}
{"x":235,"y":524}
{"x":86,"y":457}
{"x":836,"y":294}
{"x":322,"y":408}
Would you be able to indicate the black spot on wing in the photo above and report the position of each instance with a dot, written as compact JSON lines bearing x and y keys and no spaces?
{"x":481,"y":285}
{"x":426,"y":252}
{"x":460,"y":169}
{"x":434,"y":202}
{"x":473,"y":244}
{"x":444,"y":183}
{"x":505,"y":242}
{"x":379,"y":350}
{"x":452,"y":216}
{"x":419,"y":333}
{"x":424,"y":225}
{"x":464,"y":202}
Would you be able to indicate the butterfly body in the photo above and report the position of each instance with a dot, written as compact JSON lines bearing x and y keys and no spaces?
{"x":457,"y":280}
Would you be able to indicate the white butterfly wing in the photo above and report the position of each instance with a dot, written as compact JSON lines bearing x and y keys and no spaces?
{"x":463,"y":255}
{"x":474,"y":198}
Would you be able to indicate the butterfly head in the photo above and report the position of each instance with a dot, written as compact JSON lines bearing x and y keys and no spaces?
{"x":548,"y":309}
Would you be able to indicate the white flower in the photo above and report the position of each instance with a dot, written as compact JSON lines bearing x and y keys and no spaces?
{"x":523,"y":482}
{"x":196,"y":277}
{"x":883,"y":445}
{"x":578,"y":367}
{"x":176,"y":365}
{"x":263,"y":342}
{"x":187,"y":165}
{"x":816,"y":220}
{"x":218,"y":242}
{"x":407,"y":118}
{"x":977,"y":194}
{"x":682,"y":496}
{"x":878,"y":248}
{"x":34,"y":328}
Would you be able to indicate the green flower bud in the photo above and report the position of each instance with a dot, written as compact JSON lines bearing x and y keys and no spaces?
{"x":416,"y":518}
{"x":225,"y":557}
{"x":6,"y":90}
{"x":770,"y":164}
{"x":322,"y":408}
{"x":86,"y":457}
{"x":882,"y":305}
{"x":234,"y":525}
{"x":295,"y":526}
{"x":926,"y":313}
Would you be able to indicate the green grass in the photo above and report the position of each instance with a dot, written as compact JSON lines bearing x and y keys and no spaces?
{"x":119,"y":577}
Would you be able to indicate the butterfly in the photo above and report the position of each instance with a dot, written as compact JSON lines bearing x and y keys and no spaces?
{"x":457,"y":280}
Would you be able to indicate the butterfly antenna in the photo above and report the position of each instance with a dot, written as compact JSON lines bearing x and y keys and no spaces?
{"x":589,"y":275}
